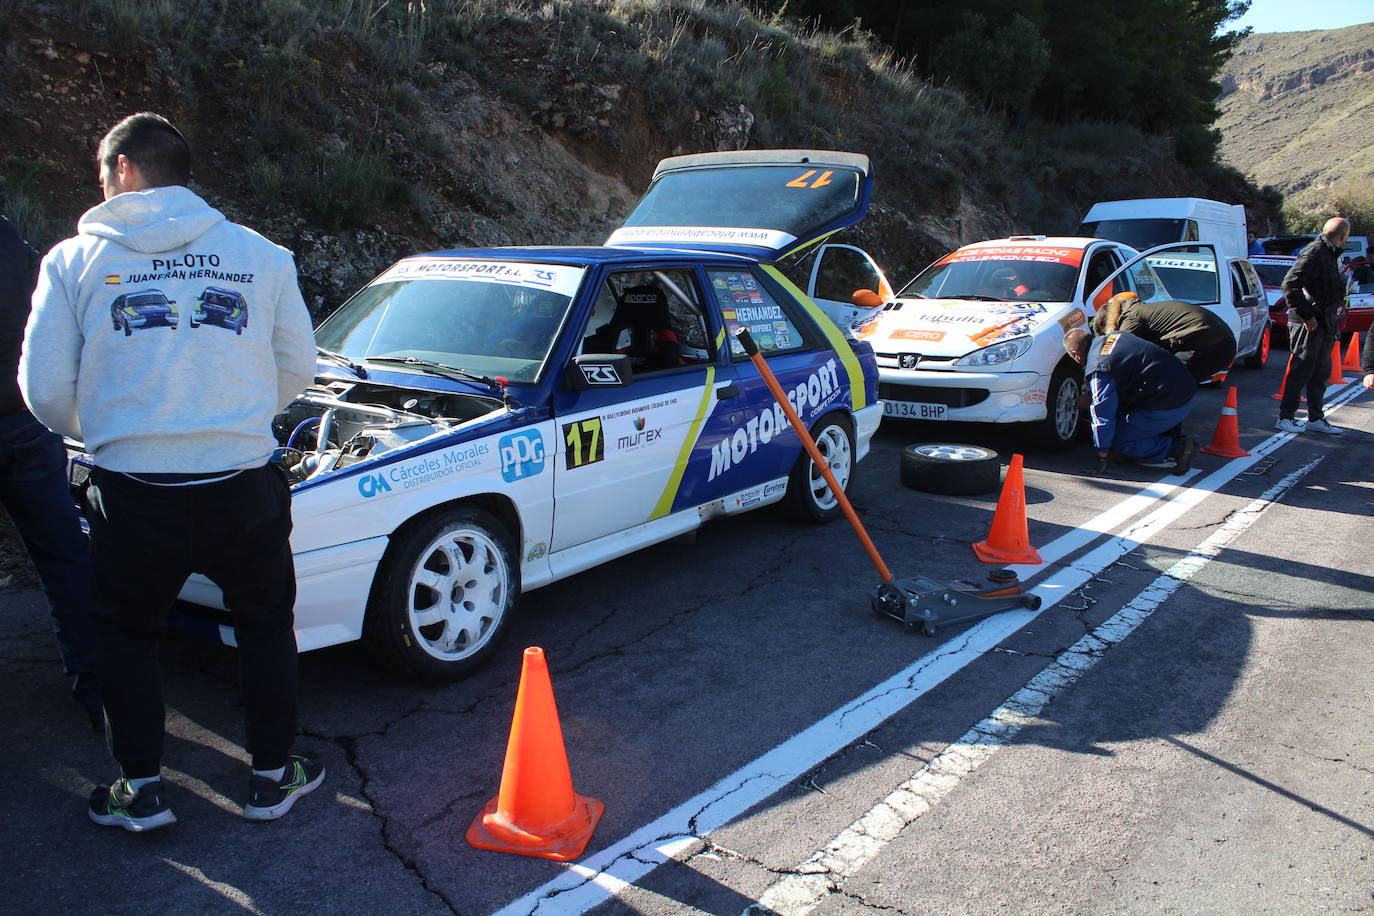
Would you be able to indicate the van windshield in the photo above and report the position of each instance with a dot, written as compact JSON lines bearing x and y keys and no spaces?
{"x":1141,"y":234}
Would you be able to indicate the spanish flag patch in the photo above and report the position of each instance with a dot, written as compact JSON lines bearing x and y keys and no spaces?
{"x":112,"y":280}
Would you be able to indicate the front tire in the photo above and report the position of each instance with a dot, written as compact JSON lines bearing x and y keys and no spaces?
{"x":809,"y":498}
{"x":443,"y":595}
{"x":1057,"y":430}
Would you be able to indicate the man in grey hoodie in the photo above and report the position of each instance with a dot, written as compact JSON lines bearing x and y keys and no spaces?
{"x":166,"y":338}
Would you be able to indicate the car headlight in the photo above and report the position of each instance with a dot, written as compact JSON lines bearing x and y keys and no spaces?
{"x":997,"y":354}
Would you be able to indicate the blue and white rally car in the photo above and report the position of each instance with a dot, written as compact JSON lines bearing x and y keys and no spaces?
{"x":488,"y":421}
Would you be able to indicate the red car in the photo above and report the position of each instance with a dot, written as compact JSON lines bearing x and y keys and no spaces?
{"x":1359,"y":302}
{"x":1271,"y":269}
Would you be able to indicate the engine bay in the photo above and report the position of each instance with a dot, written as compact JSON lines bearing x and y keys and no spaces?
{"x":338,"y":423}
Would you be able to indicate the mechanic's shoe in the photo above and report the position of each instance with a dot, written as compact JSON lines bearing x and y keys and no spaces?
{"x":1321,"y":426}
{"x":269,"y":799}
{"x":1187,"y":450}
{"x":1168,"y":463}
{"x":118,"y":805}
{"x":1288,"y":425}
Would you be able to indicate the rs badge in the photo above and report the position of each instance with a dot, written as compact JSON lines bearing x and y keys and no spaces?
{"x":599,"y":373}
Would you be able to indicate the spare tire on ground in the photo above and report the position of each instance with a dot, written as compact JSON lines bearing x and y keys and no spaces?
{"x":951,"y":468}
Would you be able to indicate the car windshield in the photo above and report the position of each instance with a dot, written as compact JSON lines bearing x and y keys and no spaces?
{"x":489,"y":317}
{"x":757,"y":197}
{"x":966,"y":275}
{"x":148,"y":299}
{"x":1141,"y":234}
{"x":1272,"y":274}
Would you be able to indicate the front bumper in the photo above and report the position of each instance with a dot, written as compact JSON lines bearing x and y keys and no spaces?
{"x":973,"y":397}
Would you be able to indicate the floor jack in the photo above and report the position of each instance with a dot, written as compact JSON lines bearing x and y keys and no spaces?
{"x":916,"y":601}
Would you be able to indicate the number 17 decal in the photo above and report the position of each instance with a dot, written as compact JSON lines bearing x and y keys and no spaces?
{"x":804,"y":180}
{"x":585,"y":443}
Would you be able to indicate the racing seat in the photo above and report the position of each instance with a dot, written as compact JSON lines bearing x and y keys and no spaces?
{"x":642,"y":311}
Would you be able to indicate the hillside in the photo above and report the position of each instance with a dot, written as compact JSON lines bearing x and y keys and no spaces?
{"x":1297,"y":109}
{"x":354,"y":133}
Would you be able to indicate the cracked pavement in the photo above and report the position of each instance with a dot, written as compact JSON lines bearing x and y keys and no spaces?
{"x":1139,"y":786}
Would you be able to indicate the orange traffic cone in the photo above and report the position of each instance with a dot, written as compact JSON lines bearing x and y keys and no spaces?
{"x":1352,"y":354}
{"x":1009,"y":540}
{"x":1226,"y":440}
{"x":537,"y":813}
{"x":1278,"y":395}
{"x":1335,"y":378}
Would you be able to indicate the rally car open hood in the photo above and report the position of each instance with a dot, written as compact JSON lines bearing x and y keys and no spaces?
{"x":955,"y":327}
{"x":763,"y":204}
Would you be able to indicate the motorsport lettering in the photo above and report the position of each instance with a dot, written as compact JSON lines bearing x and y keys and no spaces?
{"x":819,"y":389}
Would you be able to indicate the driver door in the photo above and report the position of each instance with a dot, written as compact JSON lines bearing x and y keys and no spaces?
{"x":837,"y":273}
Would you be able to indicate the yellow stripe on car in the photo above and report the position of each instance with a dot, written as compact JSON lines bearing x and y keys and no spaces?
{"x":838,"y":342}
{"x":665,"y":502}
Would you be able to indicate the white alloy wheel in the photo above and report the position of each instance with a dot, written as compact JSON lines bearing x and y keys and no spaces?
{"x":458,"y":593}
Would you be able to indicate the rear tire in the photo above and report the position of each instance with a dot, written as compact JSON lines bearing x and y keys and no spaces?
{"x":808,"y":494}
{"x":443,"y":595}
{"x":1257,"y":359}
{"x":951,"y":469}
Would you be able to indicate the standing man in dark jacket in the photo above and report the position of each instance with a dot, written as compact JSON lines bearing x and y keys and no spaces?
{"x":1315,"y":295}
{"x":33,"y":486}
{"x":1198,"y":337}
{"x":1139,"y":393}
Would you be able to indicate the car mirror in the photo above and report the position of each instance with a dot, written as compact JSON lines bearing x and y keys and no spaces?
{"x":866,"y":299}
{"x":600,"y":370}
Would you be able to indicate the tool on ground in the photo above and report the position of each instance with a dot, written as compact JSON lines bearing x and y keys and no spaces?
{"x":1226,"y":440}
{"x":917,"y":601}
{"x":537,"y":813}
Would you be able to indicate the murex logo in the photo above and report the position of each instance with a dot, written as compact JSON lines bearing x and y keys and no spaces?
{"x":522,"y":455}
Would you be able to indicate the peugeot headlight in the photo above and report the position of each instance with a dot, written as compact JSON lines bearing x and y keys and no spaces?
{"x":997,"y":354}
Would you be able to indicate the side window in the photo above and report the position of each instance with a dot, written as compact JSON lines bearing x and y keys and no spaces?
{"x":1190,"y":233}
{"x":653,"y":315}
{"x":1100,"y":267}
{"x":745,"y":303}
{"x":842,"y":271}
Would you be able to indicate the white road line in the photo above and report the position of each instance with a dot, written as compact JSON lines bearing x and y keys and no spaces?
{"x":591,"y":881}
{"x":858,"y":844}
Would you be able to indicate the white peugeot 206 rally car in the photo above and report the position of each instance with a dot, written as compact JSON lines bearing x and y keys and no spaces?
{"x":979,"y":335}
{"x":485,"y":422}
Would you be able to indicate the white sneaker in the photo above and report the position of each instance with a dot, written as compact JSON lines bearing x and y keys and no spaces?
{"x":1288,"y":425}
{"x":1321,"y":426}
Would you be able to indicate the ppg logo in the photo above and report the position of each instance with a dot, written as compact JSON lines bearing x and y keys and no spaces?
{"x":370,"y":485}
{"x":522,"y":455}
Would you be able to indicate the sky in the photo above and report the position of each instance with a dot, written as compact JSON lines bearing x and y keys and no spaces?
{"x":1294,"y":16}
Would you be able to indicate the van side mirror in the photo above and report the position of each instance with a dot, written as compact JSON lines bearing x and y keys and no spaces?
{"x":600,"y":370}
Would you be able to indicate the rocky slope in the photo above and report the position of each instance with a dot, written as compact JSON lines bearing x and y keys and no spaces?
{"x":527,"y":123}
{"x":1298,"y":108}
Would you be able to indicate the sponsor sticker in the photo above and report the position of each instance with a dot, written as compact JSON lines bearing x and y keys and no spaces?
{"x":917,"y":334}
{"x":1049,"y":254}
{"x":522,"y":455}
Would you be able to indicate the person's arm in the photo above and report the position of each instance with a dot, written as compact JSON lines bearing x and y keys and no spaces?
{"x":1367,"y":359}
{"x":1294,"y":287}
{"x":1103,"y":409}
{"x":293,"y":338}
{"x":51,"y":357}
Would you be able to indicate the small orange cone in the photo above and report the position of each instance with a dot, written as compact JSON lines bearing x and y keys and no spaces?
{"x":537,"y":813}
{"x":1352,"y":354}
{"x":1335,"y":378}
{"x":1278,"y":395}
{"x":1226,"y":440}
{"x":1009,"y":539}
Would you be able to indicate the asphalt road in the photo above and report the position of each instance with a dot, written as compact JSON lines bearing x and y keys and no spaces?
{"x":1182,"y":727}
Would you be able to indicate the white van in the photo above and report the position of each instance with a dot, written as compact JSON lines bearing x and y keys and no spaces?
{"x":1148,"y":222}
